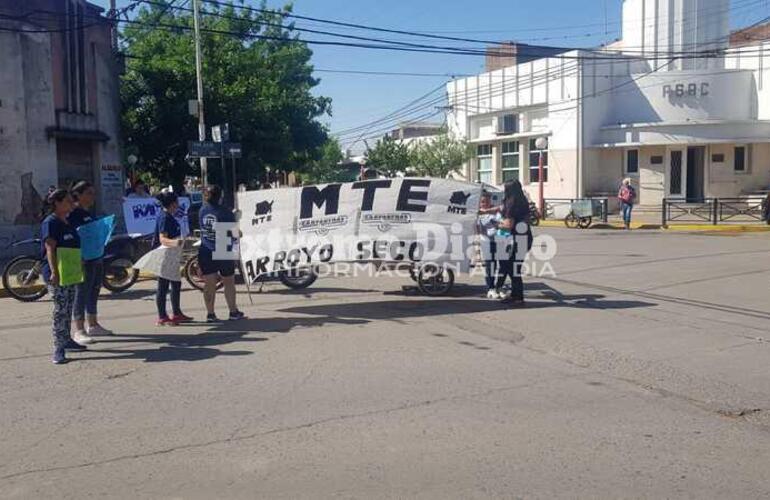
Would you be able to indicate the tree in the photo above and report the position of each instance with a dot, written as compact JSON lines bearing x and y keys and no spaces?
{"x":327,"y":168}
{"x":439,"y":157}
{"x":389,"y":156}
{"x":257,"y":77}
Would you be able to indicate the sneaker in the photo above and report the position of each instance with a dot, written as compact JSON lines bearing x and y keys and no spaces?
{"x":99,"y":331}
{"x":212,"y":318}
{"x":492,"y":294}
{"x":71,"y":345}
{"x":165,"y":322}
{"x":59,"y":356}
{"x":236,"y":315}
{"x":82,"y":338}
{"x":181,"y":318}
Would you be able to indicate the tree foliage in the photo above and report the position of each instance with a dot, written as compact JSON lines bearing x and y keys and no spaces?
{"x":260,"y":86}
{"x":439,"y":157}
{"x":389,"y":157}
{"x":327,"y":167}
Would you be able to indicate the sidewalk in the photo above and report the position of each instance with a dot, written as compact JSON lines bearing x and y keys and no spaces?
{"x":650,"y":219}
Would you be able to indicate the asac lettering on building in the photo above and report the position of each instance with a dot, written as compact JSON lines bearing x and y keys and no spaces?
{"x":687,"y":90}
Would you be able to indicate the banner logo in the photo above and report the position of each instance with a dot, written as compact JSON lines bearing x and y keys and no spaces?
{"x":262,"y":212}
{"x":458,"y":203}
{"x":385,"y":222}
{"x":323,"y":225}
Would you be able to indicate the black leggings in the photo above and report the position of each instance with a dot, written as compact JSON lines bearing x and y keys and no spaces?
{"x":511,"y":268}
{"x":160,"y":297}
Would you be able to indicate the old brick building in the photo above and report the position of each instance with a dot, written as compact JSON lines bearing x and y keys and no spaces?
{"x":59,"y":106}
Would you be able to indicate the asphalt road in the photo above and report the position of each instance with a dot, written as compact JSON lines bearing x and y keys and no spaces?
{"x":640,"y":371}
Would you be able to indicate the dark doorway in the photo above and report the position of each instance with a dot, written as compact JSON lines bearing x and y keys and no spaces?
{"x":696,"y":160}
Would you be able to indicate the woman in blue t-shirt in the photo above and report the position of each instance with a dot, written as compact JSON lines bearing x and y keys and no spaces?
{"x":168,"y":233}
{"x":212,"y":268}
{"x":56,"y":233}
{"x":86,"y":293}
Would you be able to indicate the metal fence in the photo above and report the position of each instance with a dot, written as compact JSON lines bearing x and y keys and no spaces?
{"x":713,"y":211}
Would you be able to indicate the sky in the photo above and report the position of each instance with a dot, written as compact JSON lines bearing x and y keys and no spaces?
{"x":359,"y":99}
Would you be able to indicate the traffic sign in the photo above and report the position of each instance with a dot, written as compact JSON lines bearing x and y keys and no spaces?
{"x":203,"y":149}
{"x":233,"y":150}
{"x":211,"y":149}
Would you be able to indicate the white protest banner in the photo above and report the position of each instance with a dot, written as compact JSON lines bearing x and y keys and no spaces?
{"x":410,"y":220}
{"x":141,"y":215}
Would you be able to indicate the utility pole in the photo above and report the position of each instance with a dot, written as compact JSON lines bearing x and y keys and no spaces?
{"x":114,"y":32}
{"x":199,"y":78}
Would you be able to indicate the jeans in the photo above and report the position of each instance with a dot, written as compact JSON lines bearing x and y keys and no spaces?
{"x":63,"y":297}
{"x":626,"y":209}
{"x":490,"y":264}
{"x":512,"y":268}
{"x":160,"y":297}
{"x":87,"y":292}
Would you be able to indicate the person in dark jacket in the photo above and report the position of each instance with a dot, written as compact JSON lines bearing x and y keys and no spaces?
{"x":515,"y":235}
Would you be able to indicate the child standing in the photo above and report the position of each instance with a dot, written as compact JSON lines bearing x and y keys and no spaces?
{"x":487,"y":223}
{"x":55,"y":234}
{"x":168,"y":233}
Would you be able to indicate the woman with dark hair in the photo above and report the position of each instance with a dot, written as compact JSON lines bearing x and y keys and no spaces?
{"x":168,"y":233}
{"x":515,"y":228}
{"x":212,"y":268}
{"x":86,"y":293}
{"x":56,"y":234}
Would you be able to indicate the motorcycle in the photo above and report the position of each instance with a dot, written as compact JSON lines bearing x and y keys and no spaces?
{"x":295,"y":279}
{"x":23,"y":276}
{"x":534,"y":214}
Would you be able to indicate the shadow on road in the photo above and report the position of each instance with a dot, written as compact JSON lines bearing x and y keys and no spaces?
{"x":407,"y":308}
{"x":164,"y":354}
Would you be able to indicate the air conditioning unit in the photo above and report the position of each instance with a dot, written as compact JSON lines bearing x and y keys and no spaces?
{"x":507,"y":124}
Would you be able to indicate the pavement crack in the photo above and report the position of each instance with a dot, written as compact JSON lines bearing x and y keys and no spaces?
{"x":255,"y":435}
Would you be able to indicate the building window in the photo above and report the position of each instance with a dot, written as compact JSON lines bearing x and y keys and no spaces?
{"x":508,"y":124}
{"x":739,"y":160}
{"x":632,"y":161}
{"x":484,"y":157}
{"x":534,"y":161}
{"x":511,"y":161}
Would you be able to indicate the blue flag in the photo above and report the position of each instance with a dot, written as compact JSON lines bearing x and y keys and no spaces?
{"x":94,"y":236}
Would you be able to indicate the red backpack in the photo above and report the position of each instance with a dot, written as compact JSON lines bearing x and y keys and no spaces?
{"x":627,"y":194}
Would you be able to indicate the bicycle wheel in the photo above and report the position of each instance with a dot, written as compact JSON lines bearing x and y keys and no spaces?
{"x":23,"y":279}
{"x":435,"y":280}
{"x":584,"y":222}
{"x":571,"y":221}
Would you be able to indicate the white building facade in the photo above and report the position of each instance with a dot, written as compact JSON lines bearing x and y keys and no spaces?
{"x":671,"y":106}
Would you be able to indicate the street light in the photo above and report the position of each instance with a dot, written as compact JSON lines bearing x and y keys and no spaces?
{"x":132,"y":159}
{"x":541,"y":143}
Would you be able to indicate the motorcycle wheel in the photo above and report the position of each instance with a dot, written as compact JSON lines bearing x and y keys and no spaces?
{"x":534,"y":220}
{"x":434,"y":280}
{"x":119,"y":275}
{"x":298,"y":279}
{"x":194,"y":276}
{"x":22,"y":278}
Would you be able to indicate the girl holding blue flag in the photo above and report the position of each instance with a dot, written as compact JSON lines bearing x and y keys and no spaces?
{"x":86,"y":293}
{"x":61,"y":251}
